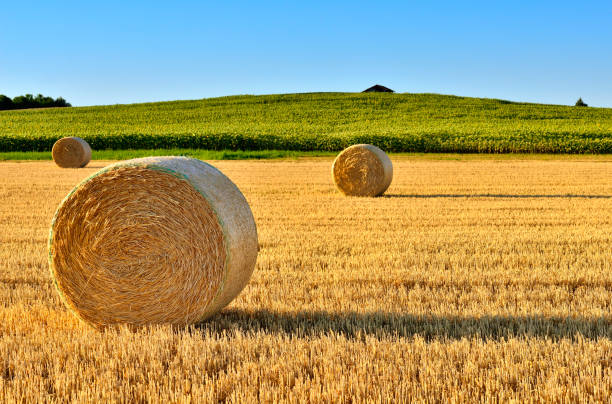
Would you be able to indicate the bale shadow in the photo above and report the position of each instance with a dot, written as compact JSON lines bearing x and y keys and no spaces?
{"x":544,"y":196}
{"x":380,"y":325}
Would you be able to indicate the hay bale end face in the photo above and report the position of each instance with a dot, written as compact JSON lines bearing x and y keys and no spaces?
{"x":158,"y":240}
{"x":362,"y":170}
{"x":71,"y":152}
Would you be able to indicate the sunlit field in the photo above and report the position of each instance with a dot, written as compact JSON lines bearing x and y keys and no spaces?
{"x":319,"y":122}
{"x":470,"y":280}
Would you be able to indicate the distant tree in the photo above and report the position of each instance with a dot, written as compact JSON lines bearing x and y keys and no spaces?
{"x":23,"y":101}
{"x":60,"y":102}
{"x":5,"y":102}
{"x":581,"y":103}
{"x":29,"y":101}
{"x":44,"y":102}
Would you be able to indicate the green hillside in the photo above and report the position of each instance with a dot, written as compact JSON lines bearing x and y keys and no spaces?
{"x":319,"y":121}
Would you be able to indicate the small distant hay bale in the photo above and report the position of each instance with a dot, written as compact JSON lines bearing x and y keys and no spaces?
{"x":71,"y":152}
{"x":362,"y":170}
{"x":157,"y":240}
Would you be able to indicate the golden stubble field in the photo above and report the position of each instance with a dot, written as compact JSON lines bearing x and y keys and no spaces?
{"x":470,"y":281}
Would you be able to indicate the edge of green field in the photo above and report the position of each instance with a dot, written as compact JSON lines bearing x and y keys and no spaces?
{"x":195,"y":153}
{"x":288,"y":154}
{"x":319,"y":122}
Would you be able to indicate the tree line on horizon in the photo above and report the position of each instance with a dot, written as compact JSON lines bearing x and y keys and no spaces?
{"x":29,"y":101}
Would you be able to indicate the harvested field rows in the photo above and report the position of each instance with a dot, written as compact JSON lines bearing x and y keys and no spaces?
{"x":469,"y":279}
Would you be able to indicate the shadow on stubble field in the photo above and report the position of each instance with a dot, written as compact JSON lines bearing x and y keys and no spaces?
{"x":569,"y":196}
{"x":387,"y":325}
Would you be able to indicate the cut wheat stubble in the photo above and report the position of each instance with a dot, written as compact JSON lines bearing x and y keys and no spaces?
{"x":152,"y":241}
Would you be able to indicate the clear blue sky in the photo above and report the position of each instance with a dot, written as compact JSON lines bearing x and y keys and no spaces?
{"x":130,"y":51}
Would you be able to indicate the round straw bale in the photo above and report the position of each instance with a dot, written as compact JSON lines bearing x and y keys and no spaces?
{"x":71,"y":152}
{"x":362,"y":170}
{"x":157,"y":240}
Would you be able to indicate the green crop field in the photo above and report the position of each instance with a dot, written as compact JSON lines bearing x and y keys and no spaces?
{"x":319,"y":122}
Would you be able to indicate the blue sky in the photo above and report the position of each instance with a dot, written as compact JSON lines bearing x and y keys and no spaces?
{"x":111,"y":52}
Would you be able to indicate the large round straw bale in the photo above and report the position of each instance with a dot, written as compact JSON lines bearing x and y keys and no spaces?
{"x":71,"y":152}
{"x":362,"y":170}
{"x":151,"y":241}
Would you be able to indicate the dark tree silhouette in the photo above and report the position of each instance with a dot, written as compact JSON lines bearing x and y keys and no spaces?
{"x":5,"y":102}
{"x":29,"y":101}
{"x":581,"y":103}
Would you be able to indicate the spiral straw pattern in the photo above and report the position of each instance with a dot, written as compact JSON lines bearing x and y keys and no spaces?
{"x":152,"y":241}
{"x":362,"y":170}
{"x":71,"y":152}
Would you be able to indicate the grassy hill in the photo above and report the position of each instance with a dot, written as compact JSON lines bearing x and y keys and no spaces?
{"x":319,"y":121}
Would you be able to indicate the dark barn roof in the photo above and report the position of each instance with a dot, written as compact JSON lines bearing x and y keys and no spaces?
{"x":378,"y":89}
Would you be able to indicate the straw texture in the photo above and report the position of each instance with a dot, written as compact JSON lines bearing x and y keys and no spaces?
{"x":71,"y":152}
{"x":151,"y":241}
{"x":362,"y":170}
